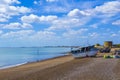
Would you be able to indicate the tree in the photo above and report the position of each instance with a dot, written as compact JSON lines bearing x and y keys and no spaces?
{"x":97,"y":44}
{"x":118,"y":45}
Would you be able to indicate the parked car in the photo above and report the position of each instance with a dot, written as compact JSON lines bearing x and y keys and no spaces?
{"x":117,"y":52}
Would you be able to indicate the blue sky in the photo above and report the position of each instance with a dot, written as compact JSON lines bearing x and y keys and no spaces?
{"x":58,"y":22}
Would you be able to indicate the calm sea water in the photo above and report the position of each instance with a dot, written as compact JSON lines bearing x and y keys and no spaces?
{"x":15,"y":56}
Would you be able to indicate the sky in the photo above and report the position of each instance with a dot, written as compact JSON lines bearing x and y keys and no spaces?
{"x":31,"y":23}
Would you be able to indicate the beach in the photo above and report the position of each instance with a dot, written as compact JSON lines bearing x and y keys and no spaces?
{"x":65,"y":68}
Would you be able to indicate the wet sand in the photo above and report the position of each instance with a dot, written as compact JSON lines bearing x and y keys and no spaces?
{"x":65,"y":68}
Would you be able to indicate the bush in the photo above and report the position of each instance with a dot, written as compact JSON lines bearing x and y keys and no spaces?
{"x":118,"y":45}
{"x":97,"y":45}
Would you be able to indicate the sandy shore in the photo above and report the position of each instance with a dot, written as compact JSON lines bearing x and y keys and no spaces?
{"x":65,"y":68}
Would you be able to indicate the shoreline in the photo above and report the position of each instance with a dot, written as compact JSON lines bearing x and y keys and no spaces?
{"x":29,"y":68}
{"x":10,"y":66}
{"x":11,"y":57}
{"x":25,"y":63}
{"x":65,"y":68}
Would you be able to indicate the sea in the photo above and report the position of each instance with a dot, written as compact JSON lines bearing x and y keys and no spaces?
{"x":15,"y":56}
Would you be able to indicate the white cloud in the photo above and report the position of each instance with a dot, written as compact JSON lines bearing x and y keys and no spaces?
{"x":44,"y":35}
{"x":56,"y":9}
{"x":30,"y":36}
{"x":104,"y":12}
{"x":67,"y":23}
{"x":51,"y":0}
{"x":117,"y":22}
{"x":34,"y":18}
{"x":74,"y":37}
{"x":1,"y":32}
{"x":113,"y":35}
{"x":94,"y":35}
{"x":74,"y":33}
{"x":48,"y":18}
{"x":77,"y":13}
{"x":64,"y":6}
{"x":94,"y":25}
{"x":17,"y":34}
{"x":30,"y":19}
{"x":12,"y":26}
{"x":73,"y":26}
{"x":35,"y":2}
{"x":4,"y":18}
{"x":16,"y":25}
{"x":14,"y":10}
{"x":7,"y":10}
{"x":26,"y":25}
{"x":9,"y":2}
{"x":109,"y":8}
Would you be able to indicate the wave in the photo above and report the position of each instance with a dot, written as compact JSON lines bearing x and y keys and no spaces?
{"x":15,"y":65}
